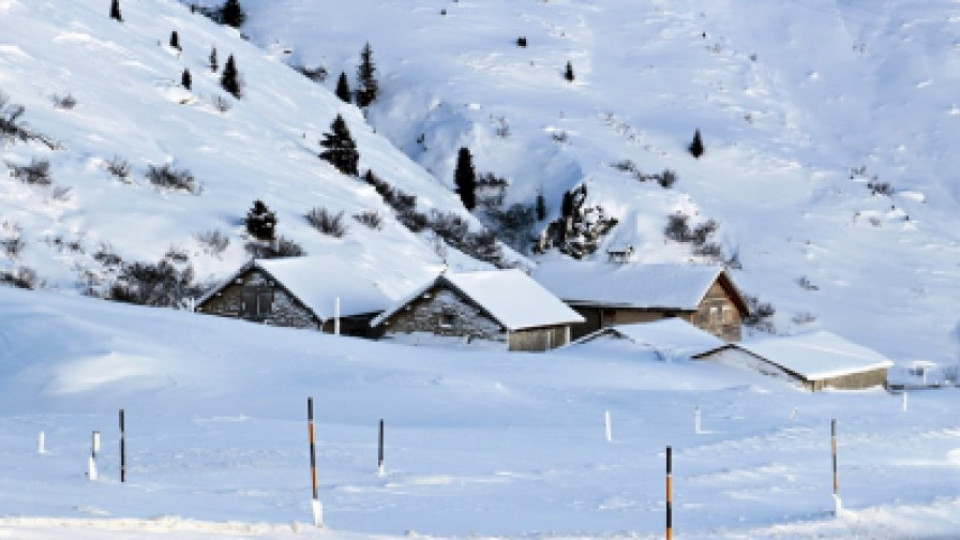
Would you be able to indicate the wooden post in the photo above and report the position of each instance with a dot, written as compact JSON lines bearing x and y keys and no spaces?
{"x":336,"y":317}
{"x":123,"y":450}
{"x":315,"y":502}
{"x":904,"y":400}
{"x":836,"y":479}
{"x":380,"y":453}
{"x":669,"y":493}
{"x":94,"y":448}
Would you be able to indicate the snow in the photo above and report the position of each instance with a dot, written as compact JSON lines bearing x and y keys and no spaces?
{"x":509,"y":296}
{"x":671,"y":338}
{"x":668,"y":286}
{"x":816,"y":355}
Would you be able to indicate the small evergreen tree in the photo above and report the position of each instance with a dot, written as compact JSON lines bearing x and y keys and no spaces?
{"x":568,"y":72}
{"x":465,"y":178}
{"x":696,"y":147}
{"x":341,"y":149}
{"x":230,"y":79}
{"x":541,"y":207}
{"x":175,"y":40}
{"x":214,"y":63}
{"x":186,"y":80}
{"x":232,"y":14}
{"x":115,"y":11}
{"x":343,"y":88}
{"x":261,"y":222}
{"x":367,"y":86}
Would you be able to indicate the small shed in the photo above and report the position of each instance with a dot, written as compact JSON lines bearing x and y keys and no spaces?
{"x":817,"y":360}
{"x":608,"y":294}
{"x":504,"y":306}
{"x":299,"y":292}
{"x":672,"y":338}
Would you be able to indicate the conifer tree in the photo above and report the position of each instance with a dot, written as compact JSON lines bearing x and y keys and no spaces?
{"x":230,"y":79}
{"x":568,"y":72}
{"x":343,"y":88}
{"x":341,"y":149}
{"x":367,"y":86}
{"x":175,"y":40}
{"x":186,"y":80}
{"x":696,"y":147}
{"x":541,"y":207}
{"x":465,"y":178}
{"x":214,"y":63}
{"x":261,"y":222}
{"x":232,"y":14}
{"x":115,"y":11}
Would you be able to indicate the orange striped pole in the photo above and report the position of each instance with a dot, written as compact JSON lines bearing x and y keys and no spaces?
{"x":313,"y":449}
{"x":669,"y":493}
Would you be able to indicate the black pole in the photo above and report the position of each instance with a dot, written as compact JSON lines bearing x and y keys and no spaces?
{"x":123,"y":450}
{"x":313,"y":449}
{"x":669,"y":493}
{"x":380,"y":454}
{"x":833,"y":443}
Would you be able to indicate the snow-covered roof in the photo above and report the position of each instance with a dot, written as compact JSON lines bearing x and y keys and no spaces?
{"x":510,"y":297}
{"x":645,"y":286}
{"x":317,"y":282}
{"x":672,"y":337}
{"x":816,"y":355}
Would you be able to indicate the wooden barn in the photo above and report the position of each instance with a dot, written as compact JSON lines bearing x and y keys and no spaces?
{"x":299,"y":292}
{"x":816,"y":360}
{"x":500,"y":306}
{"x":608,"y":294}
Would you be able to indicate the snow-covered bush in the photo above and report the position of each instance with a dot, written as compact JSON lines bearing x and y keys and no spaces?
{"x":261,"y":222}
{"x":760,"y":316}
{"x":167,"y":177}
{"x":276,"y":249}
{"x":37,"y":173}
{"x":118,"y":167}
{"x":514,"y":225}
{"x":212,"y":242}
{"x":65,"y":102}
{"x":678,"y":229}
{"x":21,"y":277}
{"x":167,"y":283}
{"x":579,"y":229}
{"x":326,"y":222}
{"x":370,"y":218}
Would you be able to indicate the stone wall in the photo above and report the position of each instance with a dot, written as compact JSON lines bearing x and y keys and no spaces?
{"x":285,"y":309}
{"x":443,"y":312}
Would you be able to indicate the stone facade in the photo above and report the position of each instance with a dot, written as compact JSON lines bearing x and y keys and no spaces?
{"x":255,"y":296}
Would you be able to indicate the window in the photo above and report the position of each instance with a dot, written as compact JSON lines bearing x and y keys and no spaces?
{"x":257,"y":302}
{"x":447,"y":319}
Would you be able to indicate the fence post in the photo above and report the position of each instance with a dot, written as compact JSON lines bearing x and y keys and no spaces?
{"x":838,"y":506}
{"x":669,"y":493}
{"x":608,"y":428}
{"x":315,"y":502}
{"x":94,"y":448}
{"x":41,"y":443}
{"x":696,"y":420}
{"x":123,"y":450}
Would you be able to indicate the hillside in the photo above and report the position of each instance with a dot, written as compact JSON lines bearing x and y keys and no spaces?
{"x":802,"y":106}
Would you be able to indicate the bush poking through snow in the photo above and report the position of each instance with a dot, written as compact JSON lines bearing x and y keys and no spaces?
{"x":325,"y":222}
{"x":37,"y":173}
{"x":221,"y":104}
{"x":276,"y":249}
{"x":212,"y":242}
{"x":167,"y":283}
{"x":318,"y":74}
{"x":21,"y":277}
{"x":12,"y":127}
{"x":370,"y":219}
{"x":12,"y":246}
{"x":678,"y":229}
{"x":261,"y":222}
{"x":666,"y":179}
{"x":166,"y":177}
{"x":119,"y":167}
{"x":760,"y":316}
{"x":65,"y":102}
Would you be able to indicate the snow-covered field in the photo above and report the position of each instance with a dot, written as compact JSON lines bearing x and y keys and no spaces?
{"x":478,"y":442}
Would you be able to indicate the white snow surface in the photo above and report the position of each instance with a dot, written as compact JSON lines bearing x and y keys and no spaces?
{"x":816,"y":355}
{"x":671,"y":338}
{"x":668,"y":286}
{"x":511,"y":297}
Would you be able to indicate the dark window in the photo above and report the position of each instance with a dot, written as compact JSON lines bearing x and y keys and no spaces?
{"x":447,"y":319}
{"x":257,"y":302}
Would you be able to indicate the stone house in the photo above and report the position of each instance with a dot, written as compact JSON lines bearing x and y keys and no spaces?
{"x":500,"y":306}
{"x":299,"y":292}
{"x":608,"y":294}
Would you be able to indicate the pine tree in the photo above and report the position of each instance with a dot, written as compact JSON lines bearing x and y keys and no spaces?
{"x":568,"y":73}
{"x":115,"y":11}
{"x":343,"y":88}
{"x":465,"y":178}
{"x":232,"y":14}
{"x":186,"y":80}
{"x":341,"y":149}
{"x":541,"y":207}
{"x":261,"y":222}
{"x":696,"y":147}
{"x":175,"y":40}
{"x":214,"y":63}
{"x":230,"y":79}
{"x":367,"y":86}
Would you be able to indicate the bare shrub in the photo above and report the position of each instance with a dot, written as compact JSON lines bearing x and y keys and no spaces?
{"x":318,"y":74}
{"x":107,"y":257}
{"x":221,"y":104}
{"x":212,"y":242}
{"x":36,"y":173}
{"x":12,"y":246}
{"x":118,"y":167}
{"x":325,"y":222}
{"x":21,"y":277}
{"x":12,"y":127}
{"x":370,"y":218}
{"x":276,"y":249}
{"x":666,"y":179}
{"x":806,"y":285}
{"x":65,"y":102}
{"x":61,"y":193}
{"x":760,"y":315}
{"x":162,"y":284}
{"x":166,"y":177}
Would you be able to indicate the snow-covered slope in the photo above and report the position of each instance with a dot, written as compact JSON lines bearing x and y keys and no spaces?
{"x":125,"y":79}
{"x":790,"y":98}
